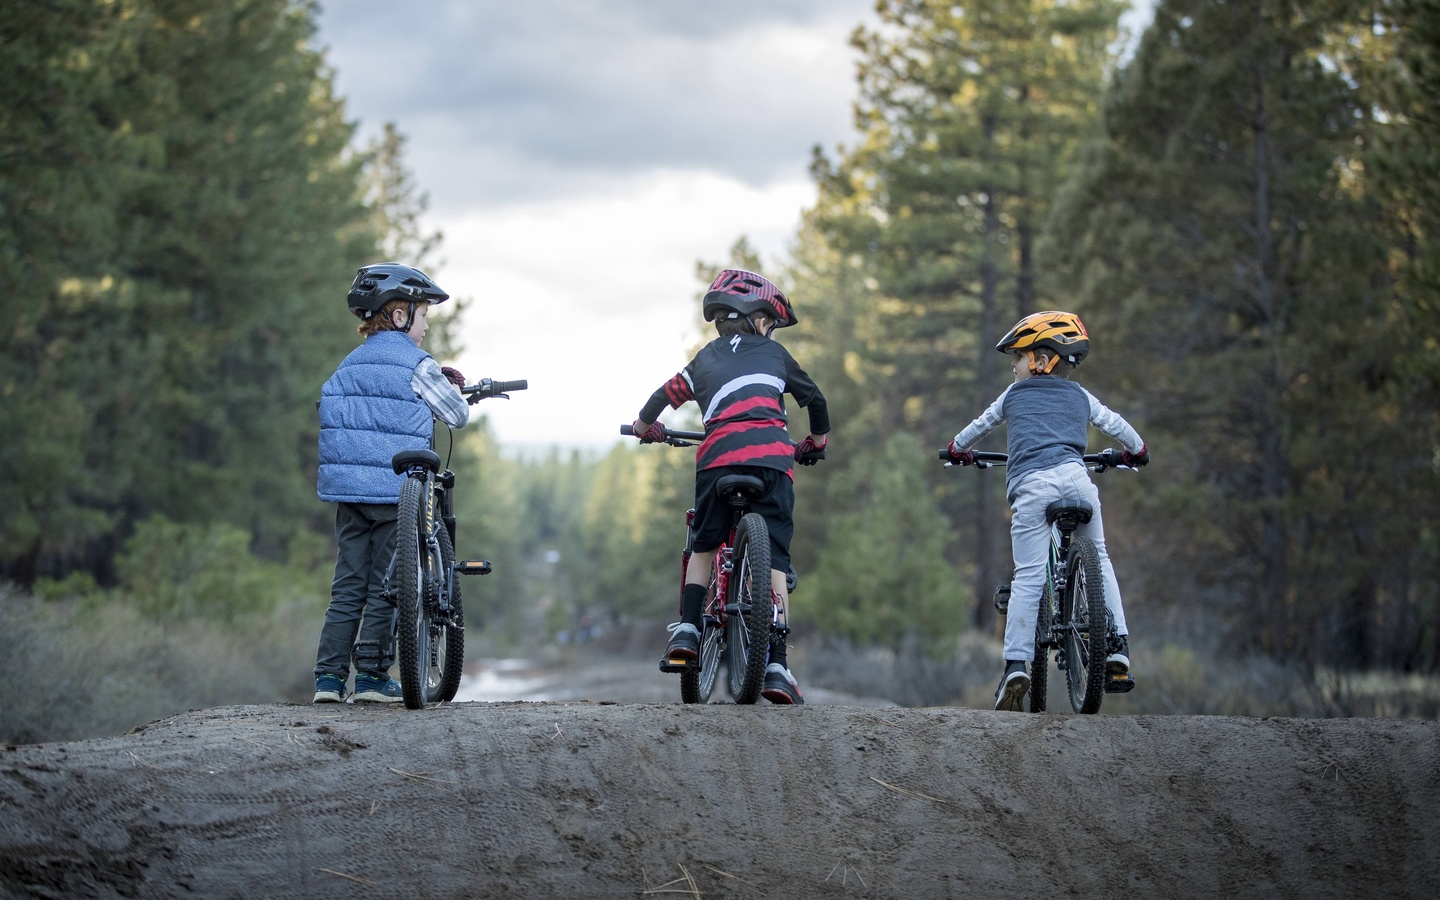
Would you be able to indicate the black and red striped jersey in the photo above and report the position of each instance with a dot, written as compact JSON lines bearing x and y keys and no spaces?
{"x":738,"y":383}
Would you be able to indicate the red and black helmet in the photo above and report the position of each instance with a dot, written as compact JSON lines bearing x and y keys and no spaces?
{"x":746,"y":293}
{"x":379,"y":283}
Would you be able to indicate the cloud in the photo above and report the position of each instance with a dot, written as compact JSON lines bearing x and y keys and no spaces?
{"x":596,"y":300}
{"x":581,"y":157}
{"x":516,"y":100}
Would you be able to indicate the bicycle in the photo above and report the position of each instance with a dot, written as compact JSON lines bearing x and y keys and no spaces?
{"x":420,"y":580}
{"x":734,"y":623}
{"x":1073,"y":597}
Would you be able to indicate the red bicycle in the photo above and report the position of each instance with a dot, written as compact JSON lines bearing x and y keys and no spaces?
{"x":736,"y":626}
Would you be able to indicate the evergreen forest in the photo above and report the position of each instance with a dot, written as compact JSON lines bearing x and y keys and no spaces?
{"x":1244,"y":208}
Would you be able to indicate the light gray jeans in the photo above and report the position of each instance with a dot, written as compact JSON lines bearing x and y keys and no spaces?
{"x":1030,"y":545}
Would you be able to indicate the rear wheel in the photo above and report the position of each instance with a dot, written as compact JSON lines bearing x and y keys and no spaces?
{"x":1040,"y":665}
{"x":413,"y":624}
{"x":751,"y":609}
{"x":1082,"y":612}
{"x":449,"y":653}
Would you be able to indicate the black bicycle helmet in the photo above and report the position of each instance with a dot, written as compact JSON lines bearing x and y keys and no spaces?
{"x":746,"y":293}
{"x":379,"y":283}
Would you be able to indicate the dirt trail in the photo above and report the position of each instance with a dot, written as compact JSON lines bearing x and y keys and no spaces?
{"x":589,"y":799}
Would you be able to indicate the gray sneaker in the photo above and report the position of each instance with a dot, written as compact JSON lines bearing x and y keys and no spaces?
{"x":376,"y":688}
{"x":1014,"y":685}
{"x":1118,"y":662}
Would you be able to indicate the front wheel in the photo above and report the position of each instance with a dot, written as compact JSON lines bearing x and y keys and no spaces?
{"x":696,"y":685}
{"x":448,"y":653}
{"x":1040,"y":665}
{"x":1082,"y":617}
{"x":750,"y":609}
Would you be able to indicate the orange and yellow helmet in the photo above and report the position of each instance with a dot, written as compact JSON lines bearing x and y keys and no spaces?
{"x":1061,"y":332}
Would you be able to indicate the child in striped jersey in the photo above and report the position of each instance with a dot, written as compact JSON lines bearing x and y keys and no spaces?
{"x":737,"y":380}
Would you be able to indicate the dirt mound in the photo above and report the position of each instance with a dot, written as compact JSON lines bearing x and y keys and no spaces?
{"x":593,"y":799}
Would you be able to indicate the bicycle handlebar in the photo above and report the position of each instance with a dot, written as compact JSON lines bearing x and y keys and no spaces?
{"x":688,"y":439}
{"x":672,"y":437}
{"x":488,"y":388}
{"x":1109,"y":458}
{"x":984,"y":459}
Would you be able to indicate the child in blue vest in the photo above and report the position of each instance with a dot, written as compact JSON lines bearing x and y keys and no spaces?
{"x":381,"y":400}
{"x":1047,"y":420}
{"x":737,"y":380}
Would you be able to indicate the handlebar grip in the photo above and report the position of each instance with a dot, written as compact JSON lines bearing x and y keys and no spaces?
{"x":811,"y":458}
{"x":502,"y":387}
{"x":627,"y":430}
{"x":945,"y":453}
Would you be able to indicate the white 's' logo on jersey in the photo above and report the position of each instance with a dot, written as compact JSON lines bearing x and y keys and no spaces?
{"x":735,"y":343}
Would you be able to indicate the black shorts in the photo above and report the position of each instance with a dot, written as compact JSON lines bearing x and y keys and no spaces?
{"x":776,"y":507}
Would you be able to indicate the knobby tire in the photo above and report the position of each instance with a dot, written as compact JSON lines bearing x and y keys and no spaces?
{"x":1040,"y":665}
{"x":750,"y":598}
{"x":412,"y":624}
{"x":1083,"y":612}
{"x":696,"y":685}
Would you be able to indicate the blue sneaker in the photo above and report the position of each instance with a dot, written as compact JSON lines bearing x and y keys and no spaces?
{"x":376,"y":688}
{"x":329,"y":689}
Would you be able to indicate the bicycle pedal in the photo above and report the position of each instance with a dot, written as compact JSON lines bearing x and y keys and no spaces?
{"x":1119,"y":684}
{"x":678,"y":664}
{"x":473,"y":567}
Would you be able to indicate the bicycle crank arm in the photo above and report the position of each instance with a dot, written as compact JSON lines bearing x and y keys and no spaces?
{"x":473,"y":567}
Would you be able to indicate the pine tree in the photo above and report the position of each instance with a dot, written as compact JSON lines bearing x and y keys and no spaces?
{"x":1236,"y":253}
{"x":179,"y":202}
{"x":969,"y":115}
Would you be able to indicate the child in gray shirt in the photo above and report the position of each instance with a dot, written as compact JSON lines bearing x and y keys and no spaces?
{"x":1047,"y":419}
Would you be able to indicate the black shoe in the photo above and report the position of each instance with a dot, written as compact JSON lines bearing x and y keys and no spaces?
{"x":780,"y":686}
{"x":1118,"y":662}
{"x":1014,"y":685}
{"x":684,"y":641}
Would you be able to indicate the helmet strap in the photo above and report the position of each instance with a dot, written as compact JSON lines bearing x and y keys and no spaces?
{"x":409,"y":317}
{"x":1037,"y":369}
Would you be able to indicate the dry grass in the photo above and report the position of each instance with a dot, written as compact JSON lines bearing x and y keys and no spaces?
{"x":82,"y":668}
{"x":1180,"y":669}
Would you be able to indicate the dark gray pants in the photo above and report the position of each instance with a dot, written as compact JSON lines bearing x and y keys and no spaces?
{"x":365,"y":535}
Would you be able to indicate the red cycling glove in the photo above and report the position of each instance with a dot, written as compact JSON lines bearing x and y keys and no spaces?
{"x":648,"y":434}
{"x":1136,"y":460}
{"x":963,"y":457}
{"x":453,"y":376}
{"x":809,"y":446}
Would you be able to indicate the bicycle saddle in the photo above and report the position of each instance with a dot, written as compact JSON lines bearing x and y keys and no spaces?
{"x":402,"y":461}
{"x":747,"y":486}
{"x":1077,"y":511}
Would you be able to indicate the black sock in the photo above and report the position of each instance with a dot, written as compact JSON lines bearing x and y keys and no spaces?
{"x":777,"y":650}
{"x":692,"y":604}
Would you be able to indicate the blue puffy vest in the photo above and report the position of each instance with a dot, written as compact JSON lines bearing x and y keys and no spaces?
{"x":368,"y":413}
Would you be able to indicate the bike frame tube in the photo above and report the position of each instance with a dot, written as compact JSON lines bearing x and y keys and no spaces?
{"x":1058,"y":576}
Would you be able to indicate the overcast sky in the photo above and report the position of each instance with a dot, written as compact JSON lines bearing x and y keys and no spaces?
{"x":581,"y":155}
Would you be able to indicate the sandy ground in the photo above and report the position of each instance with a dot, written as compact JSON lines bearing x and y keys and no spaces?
{"x":844,"y":797}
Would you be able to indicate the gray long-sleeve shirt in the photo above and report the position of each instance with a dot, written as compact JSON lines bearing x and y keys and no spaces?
{"x":1047,"y":421}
